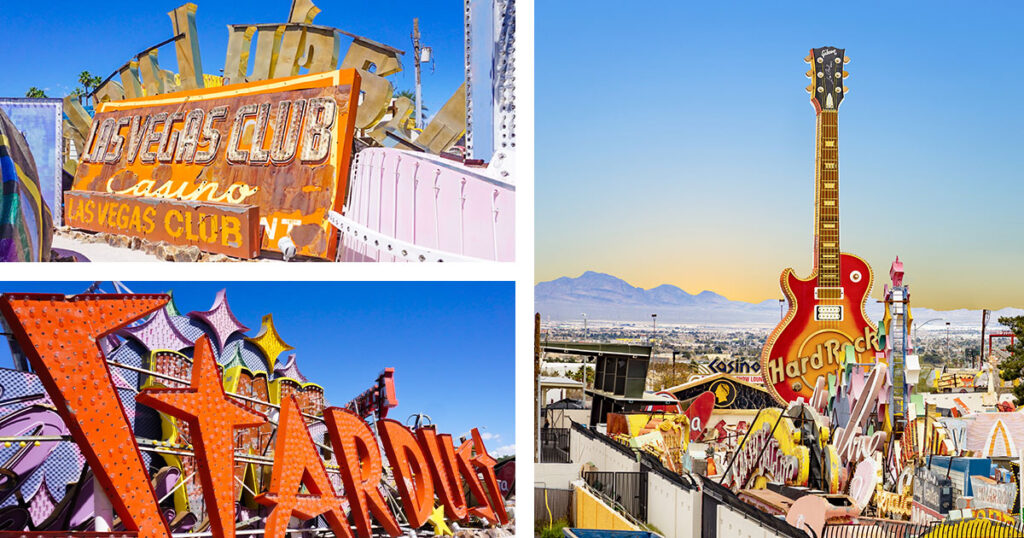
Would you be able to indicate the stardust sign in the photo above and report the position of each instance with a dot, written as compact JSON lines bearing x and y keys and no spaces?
{"x":60,"y":337}
{"x":282,"y":145}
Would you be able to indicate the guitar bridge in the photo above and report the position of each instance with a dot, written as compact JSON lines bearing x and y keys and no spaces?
{"x":828,"y":313}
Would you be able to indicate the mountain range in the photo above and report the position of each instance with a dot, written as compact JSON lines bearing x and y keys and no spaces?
{"x":609,"y":298}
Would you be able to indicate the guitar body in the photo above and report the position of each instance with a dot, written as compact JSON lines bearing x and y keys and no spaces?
{"x":802,"y":348}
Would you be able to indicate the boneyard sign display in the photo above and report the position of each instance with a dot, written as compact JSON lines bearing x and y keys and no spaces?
{"x":238,"y":447}
{"x":282,"y":145}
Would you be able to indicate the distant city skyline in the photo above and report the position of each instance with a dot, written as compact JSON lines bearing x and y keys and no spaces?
{"x":682,"y":151}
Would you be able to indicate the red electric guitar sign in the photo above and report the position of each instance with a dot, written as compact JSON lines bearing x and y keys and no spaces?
{"x":826,"y":318}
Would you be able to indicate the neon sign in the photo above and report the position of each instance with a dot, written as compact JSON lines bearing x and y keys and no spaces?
{"x":62,"y":338}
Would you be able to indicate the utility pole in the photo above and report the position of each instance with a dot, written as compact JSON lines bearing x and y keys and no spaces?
{"x":536,"y":379}
{"x":674,"y":353}
{"x":984,"y":322}
{"x":947,"y":343}
{"x":416,"y":60}
{"x":654,"y":331}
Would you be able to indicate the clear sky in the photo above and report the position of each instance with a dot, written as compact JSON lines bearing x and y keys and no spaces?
{"x":451,"y":343}
{"x":675,"y":144}
{"x":47,"y":44}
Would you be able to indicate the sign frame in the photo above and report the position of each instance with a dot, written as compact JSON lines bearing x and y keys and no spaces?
{"x":56,"y":199}
{"x":127,"y":133}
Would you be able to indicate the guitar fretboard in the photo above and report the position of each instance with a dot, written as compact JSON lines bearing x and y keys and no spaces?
{"x":826,"y":216}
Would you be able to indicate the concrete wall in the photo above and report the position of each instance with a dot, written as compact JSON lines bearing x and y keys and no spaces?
{"x":563,"y":418}
{"x":606,"y":458}
{"x":733,"y":524}
{"x":672,"y":509}
{"x":592,"y":513}
{"x":556,"y":475}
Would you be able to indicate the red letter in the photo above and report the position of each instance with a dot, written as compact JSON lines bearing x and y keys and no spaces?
{"x":59,"y":336}
{"x":296,"y":463}
{"x":493,"y":507}
{"x":410,"y":468}
{"x":444,"y":470}
{"x":361,"y":468}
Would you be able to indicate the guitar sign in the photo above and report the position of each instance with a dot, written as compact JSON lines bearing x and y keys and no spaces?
{"x":826,"y":324}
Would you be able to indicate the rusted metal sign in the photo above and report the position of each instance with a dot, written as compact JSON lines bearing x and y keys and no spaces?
{"x":231,"y":229}
{"x":282,"y":145}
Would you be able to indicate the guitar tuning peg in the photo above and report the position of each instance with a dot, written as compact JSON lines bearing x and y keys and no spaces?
{"x":810,"y":88}
{"x":846,"y":90}
{"x":846,"y":74}
{"x":846,"y":59}
{"x":809,"y":58}
{"x":809,"y":73}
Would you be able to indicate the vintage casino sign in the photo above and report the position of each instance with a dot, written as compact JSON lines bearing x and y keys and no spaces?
{"x":282,"y":145}
{"x":62,"y":338}
{"x":991,"y":494}
{"x":735,"y":366}
{"x":770,"y":454}
{"x":933,"y":494}
{"x":231,"y":229}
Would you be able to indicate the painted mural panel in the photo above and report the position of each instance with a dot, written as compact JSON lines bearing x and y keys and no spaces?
{"x":40,"y":122}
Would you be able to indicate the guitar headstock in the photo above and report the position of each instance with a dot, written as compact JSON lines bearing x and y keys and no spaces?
{"x":827,"y":77}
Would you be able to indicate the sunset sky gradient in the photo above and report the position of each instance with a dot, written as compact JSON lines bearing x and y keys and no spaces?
{"x":677,"y":146}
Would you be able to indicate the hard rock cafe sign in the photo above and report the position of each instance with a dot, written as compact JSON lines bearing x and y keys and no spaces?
{"x":281,"y":145}
{"x":818,"y":354}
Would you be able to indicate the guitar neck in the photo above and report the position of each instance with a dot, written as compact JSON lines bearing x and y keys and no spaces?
{"x":826,"y":212}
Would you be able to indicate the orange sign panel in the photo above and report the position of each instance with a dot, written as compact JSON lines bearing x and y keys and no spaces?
{"x":223,"y":228}
{"x":283,"y":145}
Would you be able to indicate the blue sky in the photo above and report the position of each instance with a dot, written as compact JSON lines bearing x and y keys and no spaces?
{"x":451,"y":343}
{"x":47,"y":44}
{"x":675,"y":144}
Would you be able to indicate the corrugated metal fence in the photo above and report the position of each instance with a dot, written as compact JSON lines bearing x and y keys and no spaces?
{"x":550,"y":505}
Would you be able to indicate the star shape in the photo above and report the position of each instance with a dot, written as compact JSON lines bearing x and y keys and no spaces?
{"x":172,"y":307}
{"x":157,"y":332}
{"x":220,"y":319}
{"x":290,"y":370}
{"x":437,"y":520}
{"x":269,"y":342}
{"x":212,"y":418}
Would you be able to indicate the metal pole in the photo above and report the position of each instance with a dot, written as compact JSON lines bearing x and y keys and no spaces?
{"x":540,"y":402}
{"x":674,"y":353}
{"x":654,"y":331}
{"x":416,"y":60}
{"x":984,"y":321}
{"x":947,"y":343}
